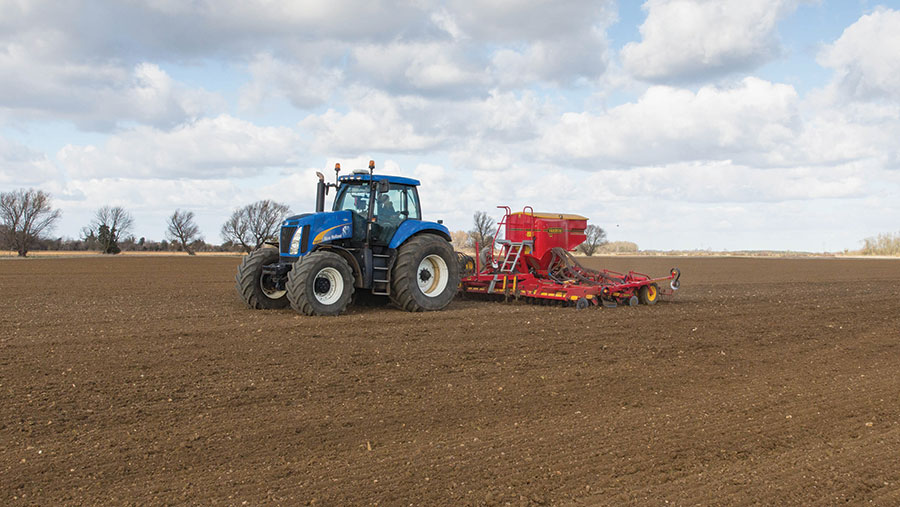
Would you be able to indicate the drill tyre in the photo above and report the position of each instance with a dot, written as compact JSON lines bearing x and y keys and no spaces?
{"x":320,"y":284}
{"x":425,"y":276}
{"x":254,"y":287}
{"x":649,"y":294}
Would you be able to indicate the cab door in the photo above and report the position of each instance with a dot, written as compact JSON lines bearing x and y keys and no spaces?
{"x":393,"y":207}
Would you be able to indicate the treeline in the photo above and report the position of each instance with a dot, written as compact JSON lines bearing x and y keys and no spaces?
{"x":27,"y":217}
{"x":883,"y":244}
{"x":129,"y":244}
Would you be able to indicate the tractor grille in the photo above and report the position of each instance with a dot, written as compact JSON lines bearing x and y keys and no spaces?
{"x":287,"y":233}
{"x":304,"y":239}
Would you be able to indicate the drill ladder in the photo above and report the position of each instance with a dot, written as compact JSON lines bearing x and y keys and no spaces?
{"x":507,"y":267}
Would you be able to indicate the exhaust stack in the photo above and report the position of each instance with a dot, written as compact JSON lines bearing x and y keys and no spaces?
{"x":321,"y":188}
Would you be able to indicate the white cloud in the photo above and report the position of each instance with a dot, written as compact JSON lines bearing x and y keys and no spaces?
{"x":304,"y":85}
{"x":479,"y":46}
{"x":138,"y":194}
{"x":726,"y":182}
{"x":559,"y":61}
{"x":539,"y":41}
{"x":528,"y":20}
{"x":207,"y":148}
{"x":866,"y":59}
{"x":21,"y":165}
{"x":744,"y":122}
{"x":834,"y":134}
{"x":96,"y":96}
{"x":377,"y":121}
{"x":136,"y":30}
{"x":695,"y":39}
{"x":101,"y":56}
{"x":439,"y":68}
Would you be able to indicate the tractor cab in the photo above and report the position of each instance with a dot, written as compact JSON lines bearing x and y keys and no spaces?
{"x":395,"y":201}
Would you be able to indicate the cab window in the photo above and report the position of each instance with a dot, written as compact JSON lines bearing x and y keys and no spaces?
{"x":400,"y":202}
{"x":353,"y":198}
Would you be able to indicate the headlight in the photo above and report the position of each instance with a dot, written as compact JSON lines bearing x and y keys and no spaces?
{"x":295,"y":241}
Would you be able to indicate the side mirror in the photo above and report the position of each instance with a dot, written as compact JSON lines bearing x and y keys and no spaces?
{"x":383,"y":186}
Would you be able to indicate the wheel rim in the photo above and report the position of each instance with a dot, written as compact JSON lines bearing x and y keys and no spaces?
{"x":328,"y":286}
{"x":651,"y":293}
{"x":268,"y":288}
{"x":432,"y":275}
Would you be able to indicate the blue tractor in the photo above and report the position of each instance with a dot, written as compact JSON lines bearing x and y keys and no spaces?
{"x":373,"y":245}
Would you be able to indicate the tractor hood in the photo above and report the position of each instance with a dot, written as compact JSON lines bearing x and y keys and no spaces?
{"x":300,"y":233}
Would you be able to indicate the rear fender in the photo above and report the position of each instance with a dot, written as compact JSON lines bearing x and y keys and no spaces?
{"x":410,"y":228}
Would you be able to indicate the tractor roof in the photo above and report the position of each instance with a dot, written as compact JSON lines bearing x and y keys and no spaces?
{"x":363,"y":177}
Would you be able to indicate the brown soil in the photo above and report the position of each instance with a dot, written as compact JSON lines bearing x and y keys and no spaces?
{"x":144,"y":379}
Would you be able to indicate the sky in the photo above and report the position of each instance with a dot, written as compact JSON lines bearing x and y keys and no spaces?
{"x":675,"y":124}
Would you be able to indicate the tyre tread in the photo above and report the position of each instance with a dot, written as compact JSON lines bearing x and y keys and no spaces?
{"x":296,"y":286}
{"x":401,"y":287}
{"x":246,"y":279}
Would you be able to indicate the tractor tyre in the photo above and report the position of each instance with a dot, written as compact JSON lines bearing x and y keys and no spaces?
{"x":426,"y":274}
{"x":320,"y":284}
{"x":649,"y":294}
{"x":256,"y":288}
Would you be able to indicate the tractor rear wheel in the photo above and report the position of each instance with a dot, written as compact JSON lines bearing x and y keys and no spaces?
{"x":320,"y":284}
{"x":649,"y":294}
{"x":426,"y":274}
{"x":256,"y":288}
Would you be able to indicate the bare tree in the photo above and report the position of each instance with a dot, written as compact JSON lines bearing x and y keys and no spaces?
{"x":459,"y":239}
{"x":26,"y":215}
{"x":254,"y":224}
{"x":596,"y":237}
{"x":183,"y":229}
{"x":110,"y":224}
{"x":235,"y":230}
{"x":484,"y":229}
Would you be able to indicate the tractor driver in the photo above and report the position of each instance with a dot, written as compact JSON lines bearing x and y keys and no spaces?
{"x":388,"y":218}
{"x":386,"y":209}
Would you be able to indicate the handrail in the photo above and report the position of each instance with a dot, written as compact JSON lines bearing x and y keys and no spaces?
{"x":531,"y":230}
{"x":502,"y":224}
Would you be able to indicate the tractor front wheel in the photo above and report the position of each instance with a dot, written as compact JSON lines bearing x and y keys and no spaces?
{"x":320,"y":284}
{"x":256,"y":288}
{"x":426,"y":274}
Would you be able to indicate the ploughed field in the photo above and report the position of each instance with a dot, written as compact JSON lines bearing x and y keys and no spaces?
{"x":145,"y":379}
